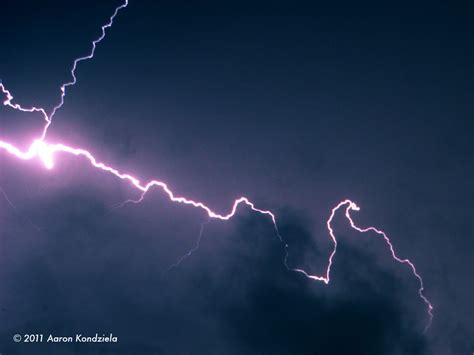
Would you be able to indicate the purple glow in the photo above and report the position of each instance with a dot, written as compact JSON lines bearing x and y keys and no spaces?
{"x":46,"y":152}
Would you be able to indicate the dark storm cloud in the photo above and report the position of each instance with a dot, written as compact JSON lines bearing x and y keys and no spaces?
{"x":232,"y":296}
{"x":289,"y":315}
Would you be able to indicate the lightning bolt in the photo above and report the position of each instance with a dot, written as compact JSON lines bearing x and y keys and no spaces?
{"x":48,"y":118}
{"x":191,"y":251}
{"x":46,"y":153}
{"x":15,"y":209}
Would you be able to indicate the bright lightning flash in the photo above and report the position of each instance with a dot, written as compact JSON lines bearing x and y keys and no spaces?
{"x":46,"y":152}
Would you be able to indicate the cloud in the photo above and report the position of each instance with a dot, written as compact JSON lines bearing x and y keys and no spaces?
{"x":102,"y":272}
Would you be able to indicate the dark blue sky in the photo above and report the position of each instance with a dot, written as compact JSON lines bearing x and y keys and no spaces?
{"x":296,"y":107}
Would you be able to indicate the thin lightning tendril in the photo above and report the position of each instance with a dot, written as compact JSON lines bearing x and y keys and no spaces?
{"x":15,"y":209}
{"x":46,"y":152}
{"x":191,"y":251}
{"x":10,"y":203}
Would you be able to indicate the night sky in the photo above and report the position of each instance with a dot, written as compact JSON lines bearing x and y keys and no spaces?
{"x":296,"y":106}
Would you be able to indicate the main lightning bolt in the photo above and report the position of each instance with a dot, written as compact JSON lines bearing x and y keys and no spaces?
{"x":46,"y":152}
